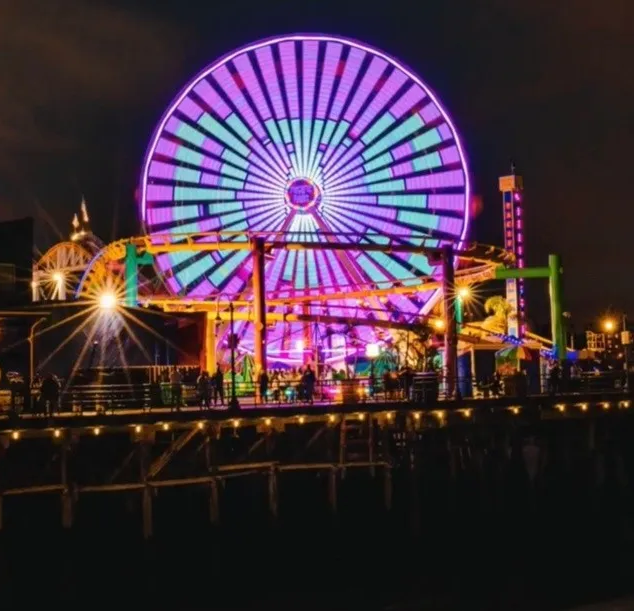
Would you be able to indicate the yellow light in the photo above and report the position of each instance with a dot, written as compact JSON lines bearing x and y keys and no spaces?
{"x":606,"y":405}
{"x":331,"y":418}
{"x":560,"y":407}
{"x":236,"y":423}
{"x":166,"y":426}
{"x":107,"y":301}
{"x":515,"y":410}
{"x":56,"y":433}
{"x":584,"y":407}
{"x":58,"y":277}
{"x":389,"y":416}
{"x":440,"y":414}
{"x":624,"y":404}
{"x":464,"y":292}
{"x":609,"y":325}
{"x":439,"y":324}
{"x":267,"y":421}
{"x":201,"y":425}
{"x":15,"y":435}
{"x":96,"y":430}
{"x":466,"y":413}
{"x":33,"y":284}
{"x":361,"y":416}
{"x":416,"y":416}
{"x":302,"y":419}
{"x":137,"y":428}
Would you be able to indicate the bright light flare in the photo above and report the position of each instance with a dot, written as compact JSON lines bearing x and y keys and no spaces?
{"x":107,"y":301}
{"x":464,"y":292}
{"x":439,"y":324}
{"x":609,"y":325}
{"x":58,"y":277}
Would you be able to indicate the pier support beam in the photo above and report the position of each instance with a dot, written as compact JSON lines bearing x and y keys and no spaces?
{"x":146,"y":498}
{"x":67,"y":498}
{"x":259,"y":299}
{"x":332,"y":489}
{"x":273,"y":500}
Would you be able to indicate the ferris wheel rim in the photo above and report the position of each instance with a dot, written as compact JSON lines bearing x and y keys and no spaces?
{"x":299,"y":37}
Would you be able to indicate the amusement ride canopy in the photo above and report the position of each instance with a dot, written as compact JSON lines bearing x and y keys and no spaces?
{"x":317,"y":139}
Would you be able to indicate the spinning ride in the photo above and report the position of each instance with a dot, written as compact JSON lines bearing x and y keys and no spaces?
{"x":316,"y":139}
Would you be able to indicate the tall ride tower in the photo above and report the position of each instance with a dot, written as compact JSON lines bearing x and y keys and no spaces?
{"x":512,"y":188}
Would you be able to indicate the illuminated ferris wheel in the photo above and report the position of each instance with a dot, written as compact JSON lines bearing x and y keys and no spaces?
{"x":321,"y":138}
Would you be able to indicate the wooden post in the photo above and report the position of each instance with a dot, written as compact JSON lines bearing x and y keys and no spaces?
{"x":273,"y":499}
{"x":414,"y":501}
{"x":332,"y":489}
{"x":387,"y":473}
{"x":387,"y":486}
{"x":342,"y":446}
{"x":67,"y":499}
{"x":146,"y":498}
{"x":371,"y":445}
{"x":214,"y":503}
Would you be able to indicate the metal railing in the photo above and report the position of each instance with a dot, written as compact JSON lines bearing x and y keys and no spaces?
{"x":420,"y":389}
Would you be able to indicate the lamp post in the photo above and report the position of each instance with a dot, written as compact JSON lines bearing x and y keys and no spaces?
{"x":625,"y":340}
{"x":34,"y":326}
{"x":31,"y":340}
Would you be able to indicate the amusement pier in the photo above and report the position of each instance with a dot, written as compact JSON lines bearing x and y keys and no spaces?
{"x":303,"y":302}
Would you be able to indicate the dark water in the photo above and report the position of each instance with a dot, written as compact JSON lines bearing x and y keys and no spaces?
{"x":566,"y":544}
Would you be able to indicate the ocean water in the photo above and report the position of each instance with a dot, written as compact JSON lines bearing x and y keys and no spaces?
{"x":468,"y":545}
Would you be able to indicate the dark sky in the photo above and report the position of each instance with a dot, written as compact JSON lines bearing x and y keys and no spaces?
{"x":546,"y":83}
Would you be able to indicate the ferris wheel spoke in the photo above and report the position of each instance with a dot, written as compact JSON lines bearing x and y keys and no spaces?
{"x":245,"y":121}
{"x":251,"y":81}
{"x":221,"y":122}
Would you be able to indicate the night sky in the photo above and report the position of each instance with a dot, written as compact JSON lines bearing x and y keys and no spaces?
{"x":547,"y":84}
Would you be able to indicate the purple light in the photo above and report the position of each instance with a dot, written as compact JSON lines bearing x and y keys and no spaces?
{"x":517,"y":196}
{"x":302,"y":133}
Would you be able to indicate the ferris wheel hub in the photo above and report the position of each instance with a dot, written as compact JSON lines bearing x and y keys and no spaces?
{"x":302,"y":194}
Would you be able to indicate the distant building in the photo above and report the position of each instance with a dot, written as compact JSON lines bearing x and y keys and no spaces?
{"x":16,"y":262}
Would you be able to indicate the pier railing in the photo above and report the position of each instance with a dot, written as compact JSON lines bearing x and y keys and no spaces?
{"x":422,"y":389}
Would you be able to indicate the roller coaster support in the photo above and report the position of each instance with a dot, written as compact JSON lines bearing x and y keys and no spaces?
{"x":259,"y":296}
{"x":553,"y":272}
{"x":449,"y":303}
{"x":132,"y":262}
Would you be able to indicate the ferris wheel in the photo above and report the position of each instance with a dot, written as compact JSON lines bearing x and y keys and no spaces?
{"x":319,"y":138}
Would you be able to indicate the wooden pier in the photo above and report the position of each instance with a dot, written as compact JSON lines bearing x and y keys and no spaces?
{"x":141,"y":454}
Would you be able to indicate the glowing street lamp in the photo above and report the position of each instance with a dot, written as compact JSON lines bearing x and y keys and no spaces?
{"x":107,"y":301}
{"x":609,"y":325}
{"x":464,"y":292}
{"x":439,"y":324}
